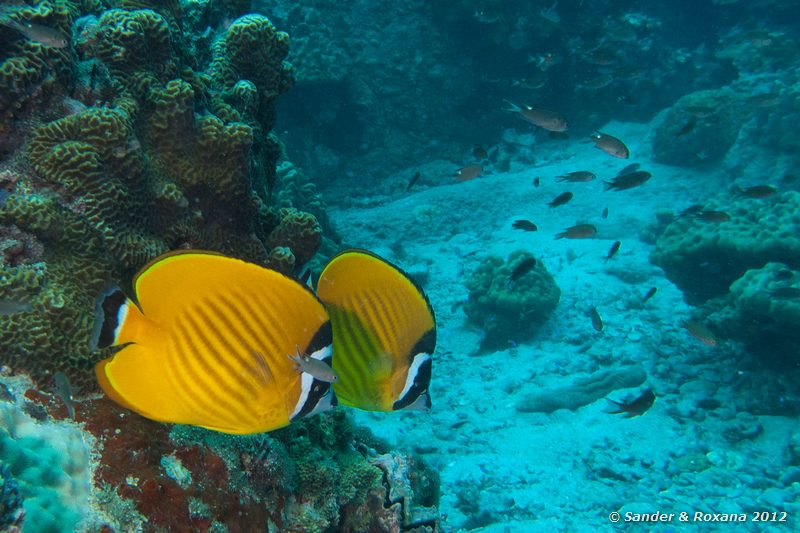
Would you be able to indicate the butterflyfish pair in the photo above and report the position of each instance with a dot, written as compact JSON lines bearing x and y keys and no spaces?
{"x":217,"y":342}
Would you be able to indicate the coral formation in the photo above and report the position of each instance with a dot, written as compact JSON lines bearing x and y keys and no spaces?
{"x":316,"y":475}
{"x":59,"y":266}
{"x":699,"y":128}
{"x":762,"y":310}
{"x":509,"y":310}
{"x":761,"y":292}
{"x":50,"y":461}
{"x":704,"y":258}
{"x":139,"y":149}
{"x":11,"y":511}
{"x":583,"y":391}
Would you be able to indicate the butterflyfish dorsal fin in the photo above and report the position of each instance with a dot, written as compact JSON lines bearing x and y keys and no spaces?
{"x":384,"y":332}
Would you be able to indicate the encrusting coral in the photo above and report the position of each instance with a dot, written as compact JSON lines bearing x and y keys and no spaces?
{"x":699,"y":129}
{"x":703,"y":258}
{"x":762,"y":309}
{"x":510,"y":310}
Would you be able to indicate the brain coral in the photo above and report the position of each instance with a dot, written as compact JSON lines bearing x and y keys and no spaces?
{"x":253,"y":50}
{"x":510,"y":311}
{"x":704,"y":258}
{"x":31,"y":73}
{"x":88,"y":156}
{"x":143,"y":166}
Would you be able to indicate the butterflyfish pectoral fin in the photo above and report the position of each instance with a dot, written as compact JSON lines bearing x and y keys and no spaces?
{"x":384,"y":332}
{"x":207,"y":343}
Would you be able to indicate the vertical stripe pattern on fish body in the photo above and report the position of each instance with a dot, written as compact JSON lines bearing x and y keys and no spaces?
{"x":384,"y":333}
{"x":207,"y":343}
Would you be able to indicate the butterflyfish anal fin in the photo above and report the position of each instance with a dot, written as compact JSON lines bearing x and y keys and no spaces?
{"x":380,"y":318}
{"x":219,"y":359}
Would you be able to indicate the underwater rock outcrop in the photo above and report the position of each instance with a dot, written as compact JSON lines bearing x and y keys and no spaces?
{"x":509,"y":310}
{"x":139,"y":147}
{"x":699,"y":128}
{"x":703,"y":258}
{"x":762,"y":310}
{"x":583,"y":391}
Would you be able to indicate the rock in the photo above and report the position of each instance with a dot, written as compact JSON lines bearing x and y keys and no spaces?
{"x":583,"y":391}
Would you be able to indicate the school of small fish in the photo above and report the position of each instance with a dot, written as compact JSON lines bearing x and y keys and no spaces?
{"x":629,"y":177}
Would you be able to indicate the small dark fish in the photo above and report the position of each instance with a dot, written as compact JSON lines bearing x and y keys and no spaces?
{"x":536,"y":81}
{"x":765,"y":100}
{"x":64,"y":391}
{"x":537,"y":181}
{"x":633,"y":167}
{"x":469,"y":172}
{"x":560,"y":135}
{"x":524,"y":225}
{"x":578,"y":176}
{"x":756,"y":191}
{"x":784,"y":275}
{"x":628,"y":181}
{"x":691,"y":211}
{"x":700,"y":111}
{"x":636,"y":407}
{"x":604,"y":214}
{"x":544,"y":118}
{"x":93,"y":78}
{"x":480,"y":152}
{"x":610,"y":145}
{"x":522,"y":268}
{"x":688,"y":127}
{"x":650,"y":294}
{"x":561,"y":199}
{"x":712,"y":216}
{"x":700,"y":332}
{"x":597,"y":321}
{"x":412,"y":181}
{"x":598,"y":82}
{"x":5,"y":394}
{"x":614,"y":249}
{"x":578,"y":231}
{"x":10,"y":307}
{"x":783,"y":293}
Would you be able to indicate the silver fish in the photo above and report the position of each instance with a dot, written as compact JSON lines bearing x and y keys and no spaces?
{"x":64,"y":391}
{"x":314,"y":367}
{"x":10,"y":307}
{"x":41,"y":34}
